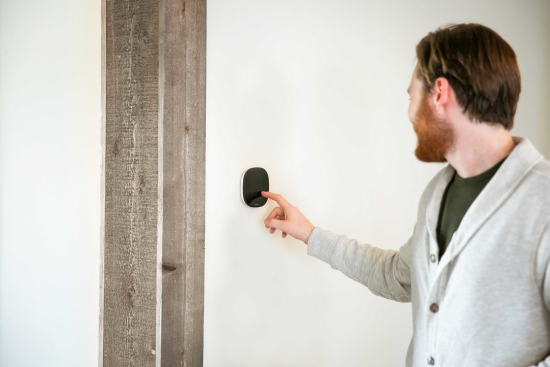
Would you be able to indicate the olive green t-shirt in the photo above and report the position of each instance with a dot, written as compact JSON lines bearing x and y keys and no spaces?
{"x":457,"y":198}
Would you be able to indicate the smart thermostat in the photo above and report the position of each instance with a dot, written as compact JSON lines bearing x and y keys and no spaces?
{"x":253,"y":182}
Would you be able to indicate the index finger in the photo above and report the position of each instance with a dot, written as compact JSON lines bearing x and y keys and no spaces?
{"x":277,"y":197}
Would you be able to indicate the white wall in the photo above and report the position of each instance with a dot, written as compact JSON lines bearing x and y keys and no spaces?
{"x":312,"y":91}
{"x":315,"y":92}
{"x":50,"y":109}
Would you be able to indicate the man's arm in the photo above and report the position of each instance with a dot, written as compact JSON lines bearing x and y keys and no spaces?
{"x":542,"y":275}
{"x":385,"y":272}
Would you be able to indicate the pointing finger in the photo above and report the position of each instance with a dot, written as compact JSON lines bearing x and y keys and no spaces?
{"x":276,"y":197}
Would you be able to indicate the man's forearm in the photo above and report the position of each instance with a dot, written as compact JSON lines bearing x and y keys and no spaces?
{"x":384,"y":272}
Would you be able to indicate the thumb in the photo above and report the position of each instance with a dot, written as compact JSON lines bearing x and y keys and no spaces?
{"x":277,"y":224}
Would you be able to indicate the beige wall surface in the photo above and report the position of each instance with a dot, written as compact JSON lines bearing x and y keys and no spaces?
{"x":50,"y":110}
{"x":315,"y":92}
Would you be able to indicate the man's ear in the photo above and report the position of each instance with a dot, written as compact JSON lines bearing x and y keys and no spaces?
{"x":440,"y":93}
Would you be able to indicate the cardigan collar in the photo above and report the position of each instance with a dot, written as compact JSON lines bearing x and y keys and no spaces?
{"x":520,"y":161}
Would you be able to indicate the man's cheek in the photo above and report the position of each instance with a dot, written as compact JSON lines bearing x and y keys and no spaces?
{"x":413,"y":107}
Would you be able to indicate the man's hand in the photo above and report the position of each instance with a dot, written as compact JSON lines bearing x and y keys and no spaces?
{"x":287,"y":218}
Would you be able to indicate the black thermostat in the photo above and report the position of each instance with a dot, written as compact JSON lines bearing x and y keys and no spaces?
{"x":253,"y":182}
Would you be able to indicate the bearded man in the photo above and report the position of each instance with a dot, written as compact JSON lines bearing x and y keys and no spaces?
{"x":476,"y":267}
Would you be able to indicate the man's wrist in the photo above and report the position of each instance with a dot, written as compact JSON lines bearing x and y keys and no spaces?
{"x":309,"y":234}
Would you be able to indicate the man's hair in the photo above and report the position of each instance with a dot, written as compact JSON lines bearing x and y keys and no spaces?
{"x":480,"y":66}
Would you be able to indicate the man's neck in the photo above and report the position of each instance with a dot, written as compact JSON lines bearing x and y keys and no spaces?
{"x":479,"y":147}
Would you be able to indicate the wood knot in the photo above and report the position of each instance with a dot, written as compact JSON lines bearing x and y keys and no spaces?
{"x":169,"y":267}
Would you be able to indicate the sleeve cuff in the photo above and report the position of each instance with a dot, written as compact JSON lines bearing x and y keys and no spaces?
{"x":322,"y":243}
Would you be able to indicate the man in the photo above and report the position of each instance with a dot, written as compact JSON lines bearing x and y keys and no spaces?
{"x":476,"y":267}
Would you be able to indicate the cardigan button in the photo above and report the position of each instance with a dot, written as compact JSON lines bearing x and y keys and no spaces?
{"x":431,"y":361}
{"x":432,"y":258}
{"x":434,"y":307}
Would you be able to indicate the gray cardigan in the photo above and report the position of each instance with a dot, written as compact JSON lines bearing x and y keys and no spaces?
{"x":487,"y":302}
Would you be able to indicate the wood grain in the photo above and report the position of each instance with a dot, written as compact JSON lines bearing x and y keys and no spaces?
{"x":131,"y":167}
{"x":184,"y":96}
{"x":153,"y":182}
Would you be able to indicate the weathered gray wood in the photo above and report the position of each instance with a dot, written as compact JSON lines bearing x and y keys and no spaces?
{"x":102,"y":188}
{"x":131,"y":168}
{"x":183,"y":56}
{"x":153,"y":182}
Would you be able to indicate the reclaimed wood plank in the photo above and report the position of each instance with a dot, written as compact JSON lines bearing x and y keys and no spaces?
{"x":183,"y":58}
{"x":153,"y":182}
{"x":130,"y":176}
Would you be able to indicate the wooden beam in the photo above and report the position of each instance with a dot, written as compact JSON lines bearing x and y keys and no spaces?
{"x":153,"y":182}
{"x":184,"y":65}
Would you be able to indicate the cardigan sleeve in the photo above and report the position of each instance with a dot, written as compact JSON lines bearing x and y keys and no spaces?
{"x":385,"y":272}
{"x":542,"y":275}
{"x":542,"y":265}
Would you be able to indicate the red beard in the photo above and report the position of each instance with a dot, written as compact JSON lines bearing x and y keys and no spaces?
{"x":435,"y":136}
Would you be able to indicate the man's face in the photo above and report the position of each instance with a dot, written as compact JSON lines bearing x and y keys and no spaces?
{"x":435,"y":136}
